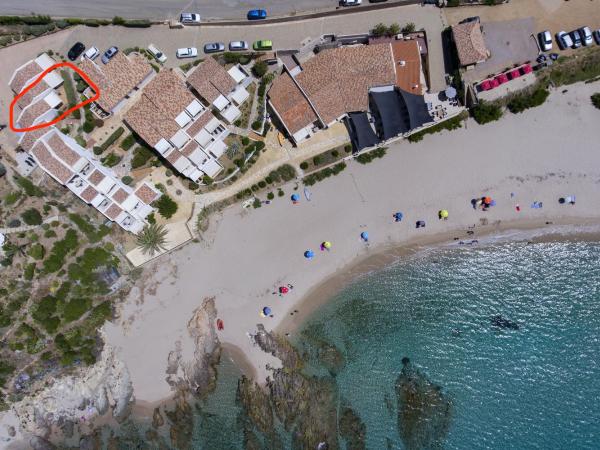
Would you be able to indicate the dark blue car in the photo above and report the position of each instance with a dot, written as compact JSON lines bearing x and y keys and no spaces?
{"x":257,"y":14}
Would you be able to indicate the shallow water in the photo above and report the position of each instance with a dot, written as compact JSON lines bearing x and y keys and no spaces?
{"x":534,"y":387}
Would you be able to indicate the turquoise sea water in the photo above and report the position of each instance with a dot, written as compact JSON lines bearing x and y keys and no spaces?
{"x":535,"y":387}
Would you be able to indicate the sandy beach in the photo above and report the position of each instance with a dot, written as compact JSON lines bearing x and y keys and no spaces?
{"x":541,"y":155}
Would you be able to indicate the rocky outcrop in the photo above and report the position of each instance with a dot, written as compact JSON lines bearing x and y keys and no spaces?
{"x":199,"y":374}
{"x":96,"y":390}
{"x":352,"y":430}
{"x":424,"y":411}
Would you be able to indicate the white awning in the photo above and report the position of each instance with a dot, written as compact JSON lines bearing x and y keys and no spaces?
{"x":231,"y":113}
{"x":236,"y":74}
{"x":179,"y":139}
{"x":106,"y":185}
{"x":221,"y":102}
{"x":194,"y":108}
{"x":53,"y":100}
{"x":240,"y":95}
{"x":217,"y":148}
{"x":44,"y":61}
{"x":183,"y":119}
{"x":211,"y":168}
{"x":53,"y":79}
{"x":162,"y":146}
{"x":203,"y":138}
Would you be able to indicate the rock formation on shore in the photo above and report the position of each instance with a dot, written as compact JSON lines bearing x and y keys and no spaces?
{"x":424,"y":411}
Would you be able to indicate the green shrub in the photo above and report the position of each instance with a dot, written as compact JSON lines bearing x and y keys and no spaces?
{"x":304,"y":165}
{"x":75,"y":308}
{"x":245,"y":140}
{"x":128,"y":142}
{"x":259,"y":145}
{"x":12,"y":198}
{"x":522,"y":102}
{"x":270,"y":196}
{"x":29,"y":271}
{"x":141,"y":155}
{"x":280,"y":193}
{"x":68,"y":86}
{"x":49,"y":234}
{"x":137,"y":23}
{"x":259,"y":69}
{"x":127,"y":180}
{"x":112,"y":138}
{"x":30,"y":189}
{"x":166,"y":206}
{"x":60,"y":250}
{"x":367,"y":157}
{"x":450,"y":124}
{"x":37,"y":251}
{"x":596,"y":100}
{"x":256,"y":125}
{"x":150,"y":218}
{"x":118,"y":20}
{"x":193,"y":186}
{"x":85,"y":226}
{"x":111,"y":160}
{"x":207,"y":180}
{"x":88,"y":127}
{"x":262,"y":184}
{"x":486,"y":112}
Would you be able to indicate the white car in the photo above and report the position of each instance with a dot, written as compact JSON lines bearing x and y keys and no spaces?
{"x":190,"y":18}
{"x":350,"y":2}
{"x":160,"y":56}
{"x":545,"y":40}
{"x":586,"y":36}
{"x":190,"y":52}
{"x":90,"y":53}
{"x":564,"y":40}
{"x":237,"y":46}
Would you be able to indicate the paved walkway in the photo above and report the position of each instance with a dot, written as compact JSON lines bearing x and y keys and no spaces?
{"x":27,"y":227}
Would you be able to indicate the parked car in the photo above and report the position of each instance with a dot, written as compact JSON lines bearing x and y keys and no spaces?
{"x":350,"y":2}
{"x":190,"y":18}
{"x":263,"y":45}
{"x":238,"y":46}
{"x":576,"y":37}
{"x":91,"y":53}
{"x":564,"y":40}
{"x":108,"y":54}
{"x":214,"y":47}
{"x":189,"y":52}
{"x":257,"y":14}
{"x":76,"y":51}
{"x":586,"y":36}
{"x":545,"y":40}
{"x":160,"y":56}
{"x":597,"y":36}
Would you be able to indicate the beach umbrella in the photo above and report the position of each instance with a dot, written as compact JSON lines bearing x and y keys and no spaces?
{"x":398,"y":216}
{"x":443,"y":214}
{"x":450,"y":92}
{"x":487,"y":200}
{"x":326,"y":245}
{"x":364,"y":236}
{"x":295,"y":197}
{"x":309,"y":254}
{"x":283,"y":289}
{"x":266,"y":311}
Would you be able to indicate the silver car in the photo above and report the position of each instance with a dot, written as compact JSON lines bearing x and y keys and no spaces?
{"x":214,"y":47}
{"x":586,"y":36}
{"x":238,"y":46}
{"x":190,"y":18}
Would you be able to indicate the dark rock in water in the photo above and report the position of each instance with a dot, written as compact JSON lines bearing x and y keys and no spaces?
{"x":256,"y":403}
{"x":331,"y":358}
{"x":424,"y":412}
{"x":352,"y":430}
{"x":182,"y":422}
{"x":38,"y":443}
{"x":277,"y":346}
{"x":501,"y":322}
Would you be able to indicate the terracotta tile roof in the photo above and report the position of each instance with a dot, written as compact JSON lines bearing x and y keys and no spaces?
{"x":200,"y":123}
{"x":50,"y":163}
{"x":96,"y":177}
{"x":210,"y":79}
{"x":289,"y":102}
{"x":23,"y":75}
{"x":146,"y":194}
{"x":337,"y":81}
{"x":149,"y":122}
{"x":32,"y":112}
{"x":120,"y":196}
{"x":89,"y":193}
{"x":190,"y":148}
{"x":169,"y":93}
{"x":31,"y":138}
{"x":33,"y":92}
{"x":63,"y":151}
{"x":117,"y":78}
{"x":113,"y":211}
{"x":408,"y":73}
{"x":469,"y":42}
{"x":174,"y":156}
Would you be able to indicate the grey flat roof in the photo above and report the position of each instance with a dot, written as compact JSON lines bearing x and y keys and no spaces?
{"x":360,"y":130}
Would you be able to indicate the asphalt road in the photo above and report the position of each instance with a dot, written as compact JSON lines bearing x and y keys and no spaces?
{"x":162,"y":9}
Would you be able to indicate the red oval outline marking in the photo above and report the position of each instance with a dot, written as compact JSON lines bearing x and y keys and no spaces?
{"x":63,"y":115}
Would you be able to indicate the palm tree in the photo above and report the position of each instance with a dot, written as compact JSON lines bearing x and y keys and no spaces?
{"x":152,"y":239}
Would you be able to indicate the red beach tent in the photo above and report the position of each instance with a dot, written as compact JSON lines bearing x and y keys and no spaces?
{"x":502,"y":78}
{"x":514,"y":74}
{"x":485,"y":85}
{"x":494,"y":83}
{"x":526,"y":69}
